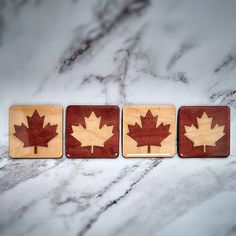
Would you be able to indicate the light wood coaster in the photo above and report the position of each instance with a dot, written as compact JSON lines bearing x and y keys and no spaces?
{"x":35,"y":131}
{"x":149,"y":131}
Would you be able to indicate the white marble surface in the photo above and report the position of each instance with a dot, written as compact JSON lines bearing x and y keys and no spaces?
{"x":116,"y":52}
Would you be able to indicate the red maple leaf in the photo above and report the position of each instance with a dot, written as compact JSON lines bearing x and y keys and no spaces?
{"x":35,"y":135}
{"x":148,"y":135}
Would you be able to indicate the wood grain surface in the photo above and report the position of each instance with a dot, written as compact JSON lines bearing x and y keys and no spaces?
{"x":149,"y":131}
{"x":35,"y":131}
{"x":204,"y":131}
{"x":92,"y":131}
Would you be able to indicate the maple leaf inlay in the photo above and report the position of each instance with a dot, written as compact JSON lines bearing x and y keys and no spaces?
{"x":204,"y":135}
{"x":149,"y":135}
{"x":35,"y":135}
{"x":92,"y":135}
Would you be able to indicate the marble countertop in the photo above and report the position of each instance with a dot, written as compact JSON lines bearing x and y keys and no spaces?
{"x":177,"y":52}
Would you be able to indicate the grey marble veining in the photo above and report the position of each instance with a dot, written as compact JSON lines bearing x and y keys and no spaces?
{"x":117,"y":52}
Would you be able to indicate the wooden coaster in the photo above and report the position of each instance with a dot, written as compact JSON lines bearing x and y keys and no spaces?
{"x":35,"y":131}
{"x":92,"y":131}
{"x":204,"y":131}
{"x":149,"y":131}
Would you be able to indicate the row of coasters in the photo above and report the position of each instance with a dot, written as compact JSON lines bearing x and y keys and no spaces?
{"x":93,"y":131}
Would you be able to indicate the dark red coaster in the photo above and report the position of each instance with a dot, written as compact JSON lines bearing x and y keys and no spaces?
{"x":92,"y":131}
{"x":204,"y":131}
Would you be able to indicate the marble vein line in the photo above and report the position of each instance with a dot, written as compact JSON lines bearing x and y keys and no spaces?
{"x":127,"y":10}
{"x":92,"y":220}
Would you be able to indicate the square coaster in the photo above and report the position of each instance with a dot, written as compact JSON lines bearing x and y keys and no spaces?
{"x":92,"y":131}
{"x":149,"y":131}
{"x":35,"y":131}
{"x":204,"y":131}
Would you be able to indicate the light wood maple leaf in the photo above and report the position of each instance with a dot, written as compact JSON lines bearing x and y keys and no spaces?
{"x":204,"y":135}
{"x":92,"y":135}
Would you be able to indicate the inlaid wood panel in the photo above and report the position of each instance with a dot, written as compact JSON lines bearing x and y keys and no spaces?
{"x":204,"y":131}
{"x":92,"y":131}
{"x":149,"y":131}
{"x":35,"y":131}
